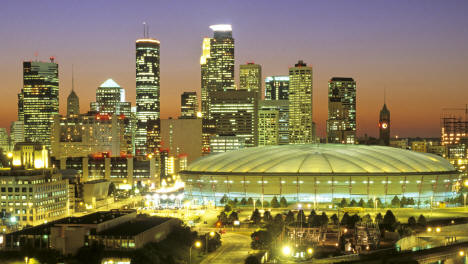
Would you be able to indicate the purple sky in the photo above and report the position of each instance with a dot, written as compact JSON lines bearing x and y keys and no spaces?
{"x":417,"y":50}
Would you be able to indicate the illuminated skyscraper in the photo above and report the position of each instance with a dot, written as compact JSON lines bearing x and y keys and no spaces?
{"x":277,"y":88}
{"x":40,"y":99}
{"x":250,"y":78}
{"x":73,"y":102}
{"x":188,"y":105}
{"x":301,"y":126}
{"x":341,"y":123}
{"x":384,"y":126}
{"x":110,"y":99}
{"x":217,"y":74}
{"x":273,"y":116}
{"x":147,"y":91}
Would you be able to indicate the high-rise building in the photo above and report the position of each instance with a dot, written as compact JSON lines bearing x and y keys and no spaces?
{"x":277,"y":88}
{"x":273,"y":119}
{"x":188,"y":105}
{"x":73,"y":104}
{"x":235,"y":113}
{"x":16,"y":132}
{"x":301,"y":126}
{"x":341,"y":123}
{"x":250,"y":78}
{"x":4,"y":140}
{"x":110,"y":99}
{"x":217,"y":74}
{"x":147,"y":90}
{"x":40,"y":99}
{"x":384,"y":126}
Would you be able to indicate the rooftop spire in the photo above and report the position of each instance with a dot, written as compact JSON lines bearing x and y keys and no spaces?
{"x":73,"y":80}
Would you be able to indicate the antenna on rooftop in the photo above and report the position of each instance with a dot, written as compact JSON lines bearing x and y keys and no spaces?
{"x":145,"y":30}
{"x":73,"y":80}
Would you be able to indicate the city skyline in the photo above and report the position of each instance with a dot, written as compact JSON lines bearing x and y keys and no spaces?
{"x":408,"y":66}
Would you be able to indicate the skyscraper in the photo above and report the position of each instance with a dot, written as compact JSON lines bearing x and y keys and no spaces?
{"x":217,"y":74}
{"x":273,"y":116}
{"x":110,"y":99}
{"x":301,"y":127}
{"x":384,"y":126}
{"x":188,"y":105}
{"x":40,"y":99}
{"x":341,"y":123}
{"x":250,"y":78}
{"x":277,"y":88}
{"x":147,"y":90}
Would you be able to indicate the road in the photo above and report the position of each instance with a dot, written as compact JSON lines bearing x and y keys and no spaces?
{"x":234,"y":249}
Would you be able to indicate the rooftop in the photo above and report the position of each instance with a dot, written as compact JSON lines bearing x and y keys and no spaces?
{"x":109,"y":83}
{"x":134,"y":227}
{"x":320,"y":159}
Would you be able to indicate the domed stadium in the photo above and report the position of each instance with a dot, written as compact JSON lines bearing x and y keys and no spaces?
{"x":320,"y":173}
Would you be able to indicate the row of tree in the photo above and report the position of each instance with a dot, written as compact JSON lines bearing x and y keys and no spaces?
{"x":274,"y":203}
{"x":371,"y":203}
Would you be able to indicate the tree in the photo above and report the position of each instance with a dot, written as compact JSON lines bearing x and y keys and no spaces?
{"x":256,"y":218}
{"x":112,"y":189}
{"x":422,"y":220}
{"x":361,"y":203}
{"x":370,"y":203}
{"x":233,"y":216}
{"x":353,"y":220}
{"x":251,"y":260}
{"x":224,"y":199}
{"x":289,"y":218}
{"x":227,"y":208}
{"x":311,"y":217}
{"x":366,"y":219}
{"x":265,"y":203}
{"x":403,"y":201}
{"x":412,"y":221}
{"x":278,"y":223}
{"x":301,"y":218}
{"x":343,"y":203}
{"x":258,"y":202}
{"x":379,"y":203}
{"x":243,"y":201}
{"x":283,"y":202}
{"x":353,"y":203}
{"x":250,"y":201}
{"x":222,"y":217}
{"x":267,"y":218}
{"x":274,"y":202}
{"x":389,"y":221}
{"x":345,"y":219}
{"x":236,"y":201}
{"x":411,"y":201}
{"x":261,"y":239}
{"x":324,"y":219}
{"x":334,"y":219}
{"x":396,"y":202}
{"x":316,"y":221}
{"x":378,"y":218}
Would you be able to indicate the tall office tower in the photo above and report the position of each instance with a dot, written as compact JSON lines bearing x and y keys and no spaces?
{"x":235,"y":113}
{"x":454,"y":128}
{"x":16,"y":132}
{"x":40,"y":96}
{"x":188,"y":105}
{"x":277,"y":88}
{"x":301,"y":127}
{"x":110,"y":99}
{"x":273,"y":122}
{"x":217,"y":74}
{"x":4,"y":140}
{"x":384,"y":126}
{"x":147,"y":90}
{"x":20,"y":106}
{"x":341,"y":123}
{"x":73,"y":104}
{"x":250,"y":78}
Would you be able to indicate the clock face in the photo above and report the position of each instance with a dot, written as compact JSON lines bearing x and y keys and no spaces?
{"x":384,"y":125}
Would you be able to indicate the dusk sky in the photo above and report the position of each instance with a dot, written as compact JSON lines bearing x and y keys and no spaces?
{"x":416,"y":50}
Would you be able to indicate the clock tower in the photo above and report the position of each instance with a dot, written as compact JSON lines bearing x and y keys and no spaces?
{"x":384,"y":126}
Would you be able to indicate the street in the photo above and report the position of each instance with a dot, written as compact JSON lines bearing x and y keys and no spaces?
{"x":234,"y":249}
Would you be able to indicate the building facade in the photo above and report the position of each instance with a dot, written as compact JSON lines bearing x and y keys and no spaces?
{"x":39,"y":99}
{"x":188,"y":105}
{"x":73,"y":104}
{"x":110,"y":99}
{"x":341,"y":123}
{"x":147,"y":90}
{"x":250,"y":78}
{"x":301,"y":126}
{"x":277,"y":88}
{"x":273,"y":121}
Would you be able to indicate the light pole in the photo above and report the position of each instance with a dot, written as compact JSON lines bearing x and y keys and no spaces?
{"x":212,"y":234}
{"x":464,"y":200}
{"x":197,"y":244}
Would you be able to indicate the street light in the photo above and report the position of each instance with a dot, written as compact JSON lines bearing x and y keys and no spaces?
{"x":197,"y":244}
{"x":310,"y":251}
{"x":461,"y":253}
{"x":438,"y":229}
{"x":286,"y":250}
{"x":212,"y":234}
